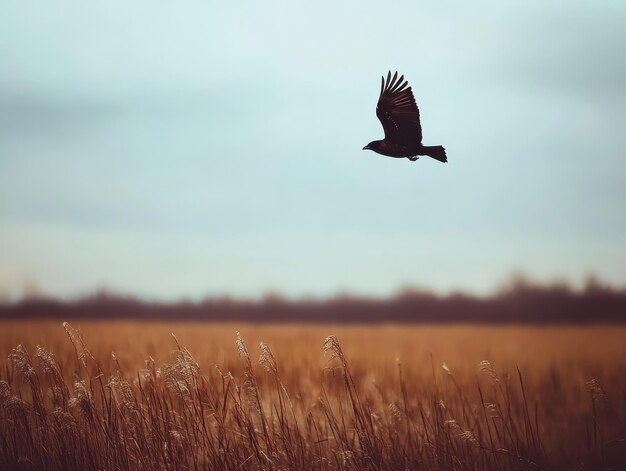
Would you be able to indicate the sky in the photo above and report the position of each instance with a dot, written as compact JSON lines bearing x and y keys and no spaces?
{"x":183,"y":149}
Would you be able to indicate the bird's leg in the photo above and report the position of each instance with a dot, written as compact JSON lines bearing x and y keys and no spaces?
{"x":413,"y":158}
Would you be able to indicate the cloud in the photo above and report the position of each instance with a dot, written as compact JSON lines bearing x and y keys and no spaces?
{"x":25,"y":115}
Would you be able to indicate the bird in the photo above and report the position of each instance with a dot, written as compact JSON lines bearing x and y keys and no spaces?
{"x":397,"y":111}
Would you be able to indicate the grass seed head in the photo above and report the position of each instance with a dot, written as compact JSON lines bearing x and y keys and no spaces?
{"x":485,"y":367}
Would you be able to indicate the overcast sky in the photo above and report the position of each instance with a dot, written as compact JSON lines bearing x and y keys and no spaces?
{"x":179,"y":149}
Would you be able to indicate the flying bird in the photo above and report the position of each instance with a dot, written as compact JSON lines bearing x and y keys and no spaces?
{"x":398,"y":113}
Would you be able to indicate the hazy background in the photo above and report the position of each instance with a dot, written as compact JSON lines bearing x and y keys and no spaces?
{"x":191,"y":148}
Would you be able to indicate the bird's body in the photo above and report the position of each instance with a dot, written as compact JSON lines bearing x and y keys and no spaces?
{"x":398,"y":113}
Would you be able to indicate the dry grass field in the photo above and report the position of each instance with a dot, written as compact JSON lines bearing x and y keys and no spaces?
{"x":128,"y":395}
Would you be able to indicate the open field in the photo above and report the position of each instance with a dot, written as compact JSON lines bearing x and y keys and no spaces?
{"x":368,"y":397}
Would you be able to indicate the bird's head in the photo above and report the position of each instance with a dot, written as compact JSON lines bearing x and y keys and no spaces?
{"x":374,"y":145}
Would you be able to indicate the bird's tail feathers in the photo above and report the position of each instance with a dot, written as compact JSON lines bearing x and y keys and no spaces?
{"x":436,"y":152}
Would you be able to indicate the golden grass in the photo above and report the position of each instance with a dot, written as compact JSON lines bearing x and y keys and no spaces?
{"x":128,"y":395}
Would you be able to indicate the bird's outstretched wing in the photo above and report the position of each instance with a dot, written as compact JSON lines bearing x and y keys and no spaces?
{"x":397,"y":111}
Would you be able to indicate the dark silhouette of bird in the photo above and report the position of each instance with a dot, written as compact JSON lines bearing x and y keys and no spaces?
{"x":398,"y":113}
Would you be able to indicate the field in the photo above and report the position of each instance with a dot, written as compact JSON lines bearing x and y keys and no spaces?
{"x":128,"y":395}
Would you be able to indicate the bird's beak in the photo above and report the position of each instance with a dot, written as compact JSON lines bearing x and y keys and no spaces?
{"x":366,"y":147}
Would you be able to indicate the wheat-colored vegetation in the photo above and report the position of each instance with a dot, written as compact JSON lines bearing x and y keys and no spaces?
{"x":124,"y":395}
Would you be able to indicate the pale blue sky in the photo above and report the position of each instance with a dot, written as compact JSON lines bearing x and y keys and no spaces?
{"x":173,"y":149}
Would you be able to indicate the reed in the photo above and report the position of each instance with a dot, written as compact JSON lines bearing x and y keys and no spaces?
{"x":71,"y":409}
